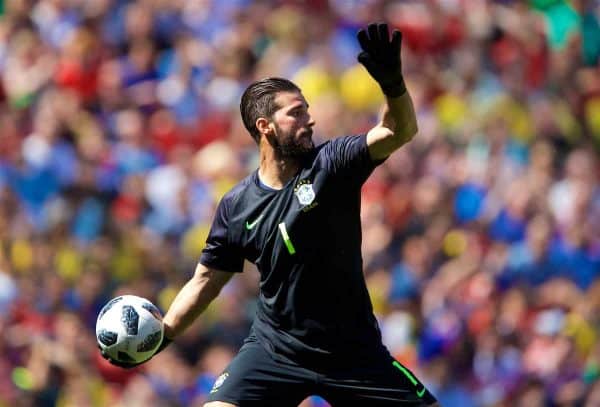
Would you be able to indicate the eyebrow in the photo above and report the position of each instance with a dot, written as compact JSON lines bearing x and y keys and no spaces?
{"x":300,"y":106}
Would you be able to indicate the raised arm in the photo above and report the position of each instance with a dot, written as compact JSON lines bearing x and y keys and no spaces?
{"x":381,"y":57}
{"x":193,"y":298}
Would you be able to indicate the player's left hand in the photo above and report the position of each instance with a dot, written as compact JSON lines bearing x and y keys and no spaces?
{"x":165,"y":342}
{"x":381,"y":57}
{"x":116,"y":362}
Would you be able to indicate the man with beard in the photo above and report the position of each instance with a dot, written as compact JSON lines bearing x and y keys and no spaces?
{"x":297,"y":218}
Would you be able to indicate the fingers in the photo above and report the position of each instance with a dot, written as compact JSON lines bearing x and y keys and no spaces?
{"x":376,"y":38}
{"x":373,"y":32}
{"x":115,"y":362}
{"x":370,"y":64}
{"x":366,"y":59}
{"x":381,"y":57}
{"x":384,"y":35}
{"x":396,"y":41}
{"x":363,"y":40}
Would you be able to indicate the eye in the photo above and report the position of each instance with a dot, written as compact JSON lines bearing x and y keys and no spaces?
{"x":298,"y":112}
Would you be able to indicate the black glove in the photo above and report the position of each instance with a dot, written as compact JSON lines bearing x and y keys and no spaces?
{"x":381,"y":57}
{"x":125,"y":365}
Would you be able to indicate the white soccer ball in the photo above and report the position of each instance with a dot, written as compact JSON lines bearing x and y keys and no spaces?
{"x":129,"y":329}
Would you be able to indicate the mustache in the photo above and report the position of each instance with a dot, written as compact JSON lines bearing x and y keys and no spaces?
{"x":307,"y":132}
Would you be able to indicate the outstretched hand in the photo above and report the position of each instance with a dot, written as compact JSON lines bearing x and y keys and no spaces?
{"x":381,"y":57}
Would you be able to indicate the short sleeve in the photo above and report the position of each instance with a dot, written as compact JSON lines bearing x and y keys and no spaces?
{"x":349,"y":157}
{"x":219,"y":253}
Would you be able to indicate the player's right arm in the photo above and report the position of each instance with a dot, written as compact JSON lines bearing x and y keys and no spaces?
{"x":193,"y":298}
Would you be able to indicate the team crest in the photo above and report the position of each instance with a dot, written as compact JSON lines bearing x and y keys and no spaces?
{"x":304,"y":192}
{"x":219,"y":382}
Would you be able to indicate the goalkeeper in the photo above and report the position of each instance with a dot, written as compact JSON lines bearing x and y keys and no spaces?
{"x":297,"y":218}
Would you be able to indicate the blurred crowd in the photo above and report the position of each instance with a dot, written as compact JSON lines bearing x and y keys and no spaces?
{"x":120,"y":130}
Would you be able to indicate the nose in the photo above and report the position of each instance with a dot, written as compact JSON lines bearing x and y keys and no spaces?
{"x":311,"y":121}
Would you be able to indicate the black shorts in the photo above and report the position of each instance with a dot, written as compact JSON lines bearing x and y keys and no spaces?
{"x":254,"y":378}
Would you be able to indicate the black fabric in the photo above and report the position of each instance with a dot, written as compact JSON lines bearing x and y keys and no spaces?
{"x":314,"y":308}
{"x":381,"y":57}
{"x":254,"y":378}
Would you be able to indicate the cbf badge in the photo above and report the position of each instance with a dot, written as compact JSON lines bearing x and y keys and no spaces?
{"x":306,"y":194}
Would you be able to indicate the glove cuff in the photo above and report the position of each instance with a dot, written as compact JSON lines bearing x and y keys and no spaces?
{"x":394,"y":90}
{"x":165,"y":342}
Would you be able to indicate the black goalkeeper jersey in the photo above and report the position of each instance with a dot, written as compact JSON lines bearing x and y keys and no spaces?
{"x":305,"y":239}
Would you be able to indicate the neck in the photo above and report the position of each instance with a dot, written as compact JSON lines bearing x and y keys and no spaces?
{"x":276,"y":171}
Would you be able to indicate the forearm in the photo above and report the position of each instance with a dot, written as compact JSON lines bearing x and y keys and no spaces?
{"x":192,"y":299}
{"x":397,"y":127}
{"x":399,"y":117}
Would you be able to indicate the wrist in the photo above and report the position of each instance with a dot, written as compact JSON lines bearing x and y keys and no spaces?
{"x":395,"y":89}
{"x":165,"y":342}
{"x":169,"y":331}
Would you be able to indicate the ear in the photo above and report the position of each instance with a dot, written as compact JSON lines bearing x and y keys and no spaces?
{"x":264,"y":126}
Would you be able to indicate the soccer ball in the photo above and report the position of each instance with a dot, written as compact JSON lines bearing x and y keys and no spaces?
{"x":129,"y":329}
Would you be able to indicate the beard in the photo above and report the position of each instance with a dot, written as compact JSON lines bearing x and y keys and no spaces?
{"x":288,"y":146}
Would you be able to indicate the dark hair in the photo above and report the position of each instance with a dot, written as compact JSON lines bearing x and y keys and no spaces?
{"x":258,"y":101}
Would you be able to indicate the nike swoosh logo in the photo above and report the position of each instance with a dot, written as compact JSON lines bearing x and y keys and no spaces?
{"x":410,"y":377}
{"x":250,"y":226}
